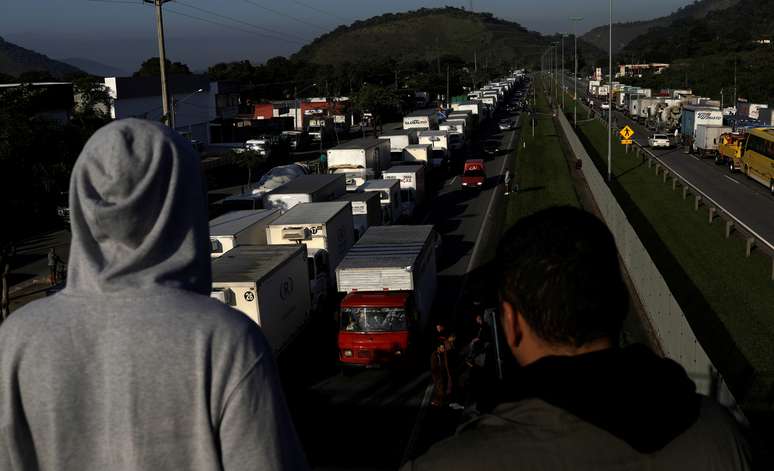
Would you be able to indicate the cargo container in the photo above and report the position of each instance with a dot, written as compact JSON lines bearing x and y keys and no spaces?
{"x":389,"y":198}
{"x":693,"y":116}
{"x":389,"y":277}
{"x":359,"y":160}
{"x":239,"y":228}
{"x":269,"y":284}
{"x":707,"y":139}
{"x":399,"y":139}
{"x":421,"y":119}
{"x":420,"y":153}
{"x":366,"y":210}
{"x":440,"y":142}
{"x":306,"y":189}
{"x":412,"y":186}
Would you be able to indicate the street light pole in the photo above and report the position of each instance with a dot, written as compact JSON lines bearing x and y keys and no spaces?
{"x":172,"y":115}
{"x":609,"y":98}
{"x":575,"y":20}
{"x":562,"y":72}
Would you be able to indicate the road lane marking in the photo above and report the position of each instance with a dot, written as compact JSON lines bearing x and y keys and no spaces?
{"x":453,"y":180}
{"x":696,"y":158}
{"x":733,"y":180}
{"x":417,"y":424}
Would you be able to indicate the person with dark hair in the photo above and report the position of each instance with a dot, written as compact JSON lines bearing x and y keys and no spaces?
{"x":579,"y":401}
{"x":132,"y":366}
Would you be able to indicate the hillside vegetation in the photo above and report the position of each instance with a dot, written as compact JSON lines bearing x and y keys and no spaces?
{"x":425,"y":35}
{"x":624,"y":33}
{"x":16,"y":60}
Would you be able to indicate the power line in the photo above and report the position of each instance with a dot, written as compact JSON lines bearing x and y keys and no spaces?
{"x":279,"y":13}
{"x":217,"y":23}
{"x":318,"y":10}
{"x":236,"y":20}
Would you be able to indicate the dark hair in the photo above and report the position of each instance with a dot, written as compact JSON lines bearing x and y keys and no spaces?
{"x":559,"y":269}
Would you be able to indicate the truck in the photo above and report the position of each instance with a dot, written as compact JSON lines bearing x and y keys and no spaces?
{"x":327,"y":231}
{"x":389,"y":280}
{"x":269,"y":285}
{"x":359,"y":160}
{"x":421,"y":119}
{"x":366,"y":210}
{"x":472,"y":106}
{"x":245,"y":227}
{"x":440,"y":142}
{"x":693,"y":116}
{"x":456,"y":130}
{"x":399,"y":139}
{"x":730,"y":148}
{"x":412,"y":186}
{"x":305,"y":189}
{"x":389,"y":198}
{"x":707,"y":139}
{"x":420,"y":153}
{"x":319,"y":128}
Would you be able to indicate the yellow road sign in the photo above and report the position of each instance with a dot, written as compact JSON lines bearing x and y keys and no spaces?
{"x":626,"y":141}
{"x":626,"y":132}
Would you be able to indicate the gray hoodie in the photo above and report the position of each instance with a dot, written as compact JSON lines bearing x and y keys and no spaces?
{"x":132,"y":366}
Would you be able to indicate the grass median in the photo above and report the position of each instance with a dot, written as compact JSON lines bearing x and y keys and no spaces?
{"x":540,"y":168}
{"x":728,"y":298}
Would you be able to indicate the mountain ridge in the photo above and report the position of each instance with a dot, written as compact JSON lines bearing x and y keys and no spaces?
{"x":16,"y":60}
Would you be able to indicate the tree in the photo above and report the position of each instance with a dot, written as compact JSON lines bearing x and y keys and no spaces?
{"x":379,"y":100}
{"x":249,"y":160}
{"x":151,"y":68}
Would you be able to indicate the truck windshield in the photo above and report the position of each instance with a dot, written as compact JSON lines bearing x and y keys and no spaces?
{"x":474,"y":173}
{"x":366,"y":319}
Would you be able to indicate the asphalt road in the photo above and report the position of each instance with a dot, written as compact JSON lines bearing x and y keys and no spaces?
{"x":375,"y":419}
{"x":745,"y":199}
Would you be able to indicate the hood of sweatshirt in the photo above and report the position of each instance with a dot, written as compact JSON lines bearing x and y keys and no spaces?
{"x":639,"y":397}
{"x":138,"y":212}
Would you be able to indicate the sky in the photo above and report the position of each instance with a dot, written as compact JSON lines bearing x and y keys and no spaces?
{"x":121,"y":33}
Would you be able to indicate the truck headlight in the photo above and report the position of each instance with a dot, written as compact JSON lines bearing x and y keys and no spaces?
{"x":347,"y":353}
{"x":479,"y":183}
{"x":398,"y":352}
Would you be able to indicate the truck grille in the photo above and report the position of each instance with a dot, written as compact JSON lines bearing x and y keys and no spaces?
{"x":364,"y":353}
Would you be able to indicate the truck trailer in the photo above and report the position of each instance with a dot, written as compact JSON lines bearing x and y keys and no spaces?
{"x":412,"y":186}
{"x":366,"y":210}
{"x":239,"y":228}
{"x":419,"y":153}
{"x":359,"y":160}
{"x":707,"y":139}
{"x":421,"y":119}
{"x":440,"y":142}
{"x":399,"y":139}
{"x":306,"y":189}
{"x":694,"y":115}
{"x":389,"y":198}
{"x":269,"y":285}
{"x":389,"y":278}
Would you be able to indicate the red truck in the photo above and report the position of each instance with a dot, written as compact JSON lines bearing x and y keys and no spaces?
{"x":473,"y":173}
{"x":389,"y":277}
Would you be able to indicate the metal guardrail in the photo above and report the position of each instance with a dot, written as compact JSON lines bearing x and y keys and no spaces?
{"x":716,"y":209}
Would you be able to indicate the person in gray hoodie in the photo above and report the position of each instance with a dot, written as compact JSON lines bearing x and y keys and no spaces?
{"x":132,"y":366}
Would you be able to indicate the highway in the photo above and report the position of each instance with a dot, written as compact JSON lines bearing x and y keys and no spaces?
{"x":746,"y":199}
{"x":375,"y":419}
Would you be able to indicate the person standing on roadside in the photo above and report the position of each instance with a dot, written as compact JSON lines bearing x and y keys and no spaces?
{"x":132,"y":366}
{"x":53,"y":265}
{"x":439,"y":366}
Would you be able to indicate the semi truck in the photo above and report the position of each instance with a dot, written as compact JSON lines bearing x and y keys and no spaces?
{"x":412,"y":186}
{"x":421,"y":119}
{"x":389,"y":198}
{"x":239,"y":228}
{"x":399,"y":139}
{"x":707,"y":139}
{"x":694,"y":115}
{"x":327,"y":231}
{"x":359,"y":160}
{"x":389,"y":280}
{"x":269,"y":285}
{"x":305,"y":189}
{"x":366,"y":210}
{"x":419,"y":153}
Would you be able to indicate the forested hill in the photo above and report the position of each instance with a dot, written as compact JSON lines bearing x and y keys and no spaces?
{"x":624,"y":33}
{"x":16,"y":60}
{"x":425,"y":35}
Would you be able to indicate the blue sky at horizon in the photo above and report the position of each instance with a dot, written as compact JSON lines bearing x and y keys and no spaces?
{"x":121,"y":33}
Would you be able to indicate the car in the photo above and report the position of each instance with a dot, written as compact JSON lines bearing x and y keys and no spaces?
{"x":492,"y":148}
{"x":505,"y":125}
{"x":660,"y":140}
{"x":605,"y":106}
{"x":473,"y":174}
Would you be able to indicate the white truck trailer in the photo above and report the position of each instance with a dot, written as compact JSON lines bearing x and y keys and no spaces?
{"x":707,"y":139}
{"x":306,"y":189}
{"x":269,"y":284}
{"x":399,"y":139}
{"x":390,"y":282}
{"x":419,"y":153}
{"x":366,"y":210}
{"x":245,"y":227}
{"x":327,"y":231}
{"x":389,"y":198}
{"x":440,"y":142}
{"x":421,"y":119}
{"x":359,"y":160}
{"x":412,"y":186}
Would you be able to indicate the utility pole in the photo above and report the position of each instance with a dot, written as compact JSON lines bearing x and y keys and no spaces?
{"x":166,"y":110}
{"x":448,"y":88}
{"x":575,"y":20}
{"x":562,"y":72}
{"x":610,"y":98}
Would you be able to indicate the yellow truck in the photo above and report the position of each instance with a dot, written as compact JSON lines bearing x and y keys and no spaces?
{"x":730,"y":150}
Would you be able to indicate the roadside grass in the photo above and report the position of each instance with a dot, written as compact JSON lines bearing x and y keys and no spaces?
{"x":728,"y":299}
{"x":540,"y":168}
